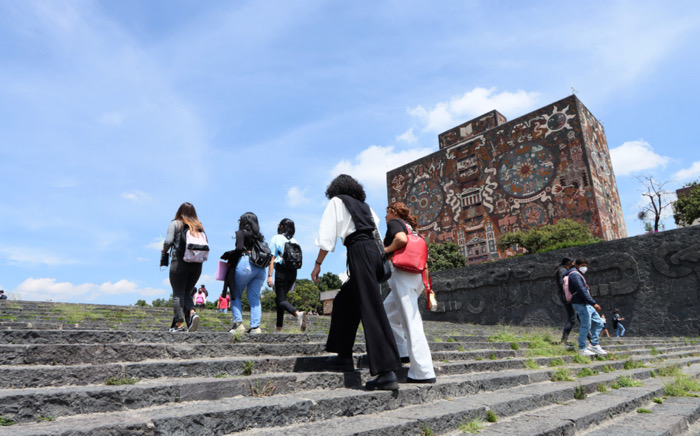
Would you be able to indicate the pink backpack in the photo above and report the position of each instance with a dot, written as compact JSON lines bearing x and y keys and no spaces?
{"x":567,"y":292}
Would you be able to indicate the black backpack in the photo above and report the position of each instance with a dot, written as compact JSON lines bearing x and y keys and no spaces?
{"x":260,"y":254}
{"x":292,"y":257}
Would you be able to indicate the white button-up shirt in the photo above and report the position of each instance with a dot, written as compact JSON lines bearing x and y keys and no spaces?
{"x":337,"y":222}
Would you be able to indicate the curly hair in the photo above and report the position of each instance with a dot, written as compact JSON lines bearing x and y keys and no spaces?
{"x":346,"y":185}
{"x":286,"y":228}
{"x":400,"y":209}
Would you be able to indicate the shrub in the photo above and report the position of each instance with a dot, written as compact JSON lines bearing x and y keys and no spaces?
{"x":491,"y":416}
{"x":580,"y":392}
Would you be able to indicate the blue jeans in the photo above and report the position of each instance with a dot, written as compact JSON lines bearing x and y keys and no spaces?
{"x":251,"y":277}
{"x":589,"y":320}
{"x":619,"y":330}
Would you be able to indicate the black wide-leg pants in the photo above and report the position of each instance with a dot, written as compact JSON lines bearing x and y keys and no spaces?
{"x":359,"y":300}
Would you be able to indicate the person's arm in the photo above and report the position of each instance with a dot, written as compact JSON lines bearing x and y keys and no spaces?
{"x":317,"y":267}
{"x":400,"y":241}
{"x":271,"y":267}
{"x":578,"y":285}
{"x":170,"y":236}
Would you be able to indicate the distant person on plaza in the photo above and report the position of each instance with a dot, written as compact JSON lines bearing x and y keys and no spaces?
{"x":401,"y":304}
{"x":247,"y":275}
{"x":617,"y":325}
{"x":561,"y":271}
{"x":605,"y":326}
{"x":183,"y":275}
{"x":587,"y":310}
{"x":204,"y":290}
{"x":224,"y":303}
{"x":200,"y":299}
{"x":349,"y":218}
{"x":285,"y":275}
{"x":2,"y":295}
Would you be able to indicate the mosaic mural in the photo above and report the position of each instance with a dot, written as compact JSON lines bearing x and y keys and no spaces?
{"x":492,"y":176}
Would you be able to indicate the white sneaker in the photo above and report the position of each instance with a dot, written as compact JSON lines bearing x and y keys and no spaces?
{"x":255,"y":331}
{"x":301,"y":319}
{"x":240,"y":328}
{"x":194,"y":323}
{"x":585,"y":352}
{"x":597,"y":350}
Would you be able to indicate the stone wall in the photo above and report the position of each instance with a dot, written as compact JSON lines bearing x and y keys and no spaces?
{"x":654,"y":279}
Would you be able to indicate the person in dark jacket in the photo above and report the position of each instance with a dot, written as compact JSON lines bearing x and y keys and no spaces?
{"x":561,"y":272}
{"x":586,"y":308}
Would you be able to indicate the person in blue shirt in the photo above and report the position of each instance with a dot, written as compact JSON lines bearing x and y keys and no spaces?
{"x":285,"y":275}
{"x":586,"y":308}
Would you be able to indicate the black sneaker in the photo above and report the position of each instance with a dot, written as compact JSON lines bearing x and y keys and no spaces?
{"x":177,"y":329}
{"x":385,"y":381}
{"x":194,"y":323}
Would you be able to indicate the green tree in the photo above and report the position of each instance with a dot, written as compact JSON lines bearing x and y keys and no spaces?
{"x":329,"y":282}
{"x":565,"y":233}
{"x":306,"y":296}
{"x":687,"y":208}
{"x":141,"y":303}
{"x":162,"y":302}
{"x":444,"y":256}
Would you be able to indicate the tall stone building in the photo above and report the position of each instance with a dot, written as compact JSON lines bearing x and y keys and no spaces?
{"x":492,"y":176}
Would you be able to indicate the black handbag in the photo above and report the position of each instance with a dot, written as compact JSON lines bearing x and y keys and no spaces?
{"x":384,"y":269}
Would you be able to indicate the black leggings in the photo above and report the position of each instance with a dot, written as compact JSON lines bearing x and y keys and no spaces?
{"x":284,"y":280}
{"x":183,"y":278}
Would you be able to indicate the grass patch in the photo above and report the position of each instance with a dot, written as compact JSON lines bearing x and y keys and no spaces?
{"x":583,"y":360}
{"x":514,"y":346}
{"x":668,"y":371}
{"x":451,"y":339}
{"x":118,"y":381}
{"x":491,"y":416}
{"x":653,"y":351}
{"x":586,"y":372}
{"x":461,"y":348}
{"x":608,"y":368}
{"x":614,"y":385}
{"x":6,"y":422}
{"x":426,"y":431}
{"x":437,"y":339}
{"x":562,"y":374}
{"x":248,"y":366}
{"x":472,"y":426}
{"x":631,"y":364}
{"x":683,"y":386}
{"x":257,"y":389}
{"x":602,"y":389}
{"x":580,"y":392}
{"x":542,"y":346}
{"x":221,"y":375}
{"x":531,"y":364}
{"x":557,"y":362}
{"x":479,"y":358}
{"x":658,"y":400}
{"x":627,"y":382}
{"x":45,"y":418}
{"x":503,"y":337}
{"x":642,"y":410}
{"x":492,"y":356}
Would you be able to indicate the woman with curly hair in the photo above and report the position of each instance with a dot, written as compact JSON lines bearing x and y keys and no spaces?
{"x":183,"y":275}
{"x":349,"y":218}
{"x":402,"y":303}
{"x":247,"y":275}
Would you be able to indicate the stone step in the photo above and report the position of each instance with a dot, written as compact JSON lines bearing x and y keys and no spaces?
{"x":229,"y":415}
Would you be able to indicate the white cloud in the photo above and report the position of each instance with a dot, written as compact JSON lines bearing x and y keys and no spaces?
{"x":136,"y":195}
{"x":478,"y":101}
{"x":371,"y":165}
{"x":46,"y":289}
{"x":157,"y":243}
{"x":689,"y":173}
{"x":635,"y":156}
{"x":33,"y":256}
{"x":297,"y":196}
{"x":407,"y":136}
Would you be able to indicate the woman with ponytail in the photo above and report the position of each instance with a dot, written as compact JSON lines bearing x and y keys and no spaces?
{"x":402,"y":303}
{"x":183,"y":275}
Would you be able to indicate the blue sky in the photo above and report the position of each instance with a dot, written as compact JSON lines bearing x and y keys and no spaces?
{"x":113,"y":113}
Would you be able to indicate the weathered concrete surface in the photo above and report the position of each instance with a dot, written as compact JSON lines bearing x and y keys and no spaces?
{"x":654,"y":279}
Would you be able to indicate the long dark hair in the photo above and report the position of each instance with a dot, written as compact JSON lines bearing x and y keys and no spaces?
{"x":346,"y":185}
{"x":402,"y":211}
{"x":186,"y":214}
{"x":286,"y":228}
{"x":248,"y":224}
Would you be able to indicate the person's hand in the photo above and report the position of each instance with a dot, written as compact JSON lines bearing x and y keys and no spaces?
{"x":269,"y":282}
{"x":316,"y":271}
{"x":597,"y":307}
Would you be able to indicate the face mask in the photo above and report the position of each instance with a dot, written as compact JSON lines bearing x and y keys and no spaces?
{"x":583,"y":269}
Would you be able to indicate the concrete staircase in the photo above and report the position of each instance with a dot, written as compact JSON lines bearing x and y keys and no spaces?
{"x":94,"y":375}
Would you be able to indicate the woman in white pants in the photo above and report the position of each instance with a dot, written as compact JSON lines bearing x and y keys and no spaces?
{"x":402,"y":303}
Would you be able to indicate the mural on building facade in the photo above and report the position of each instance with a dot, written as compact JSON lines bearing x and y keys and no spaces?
{"x":491,"y":177}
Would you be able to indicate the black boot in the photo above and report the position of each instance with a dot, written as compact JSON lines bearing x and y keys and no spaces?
{"x":337,"y":363}
{"x":386,"y":381}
